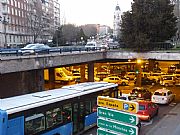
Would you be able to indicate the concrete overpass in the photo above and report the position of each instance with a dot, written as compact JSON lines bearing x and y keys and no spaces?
{"x":25,"y":63}
{"x":24,"y":74}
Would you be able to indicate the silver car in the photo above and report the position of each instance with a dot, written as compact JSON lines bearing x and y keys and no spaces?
{"x":34,"y":48}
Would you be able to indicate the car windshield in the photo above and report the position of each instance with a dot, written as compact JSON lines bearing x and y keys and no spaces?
{"x":137,"y":90}
{"x":90,"y":44}
{"x":29,"y":46}
{"x":141,"y":107}
{"x":123,"y":98}
{"x":131,"y":98}
{"x":160,"y":93}
{"x":36,"y":46}
{"x":167,"y":78}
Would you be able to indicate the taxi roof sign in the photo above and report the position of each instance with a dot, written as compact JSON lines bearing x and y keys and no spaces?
{"x":118,"y":104}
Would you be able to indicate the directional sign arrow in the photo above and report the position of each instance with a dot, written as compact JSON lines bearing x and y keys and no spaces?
{"x":132,"y":107}
{"x":131,"y":131}
{"x":131,"y":119}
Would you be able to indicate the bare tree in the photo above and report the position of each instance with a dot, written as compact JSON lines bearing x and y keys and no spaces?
{"x":35,"y":18}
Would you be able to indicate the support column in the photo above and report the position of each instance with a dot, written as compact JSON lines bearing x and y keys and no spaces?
{"x":151,"y":64}
{"x":90,"y":72}
{"x":51,"y":78}
{"x":40,"y":80}
{"x":82,"y":73}
{"x":139,"y":73}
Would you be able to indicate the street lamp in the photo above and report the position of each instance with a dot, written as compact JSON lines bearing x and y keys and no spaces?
{"x":138,"y":72}
{"x":5,"y":23}
{"x":82,"y":40}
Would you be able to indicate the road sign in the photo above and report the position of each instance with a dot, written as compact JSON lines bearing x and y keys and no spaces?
{"x":101,"y":131}
{"x":118,"y":104}
{"x":118,"y":116}
{"x":117,"y":127}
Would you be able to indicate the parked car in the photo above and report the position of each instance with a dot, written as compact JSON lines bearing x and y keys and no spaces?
{"x":167,"y":80}
{"x":156,"y":76}
{"x":163,"y":96}
{"x":147,"y":110}
{"x":130,"y":75}
{"x":116,"y":79}
{"x":146,"y":81}
{"x":141,"y":92}
{"x":127,"y":97}
{"x":34,"y":48}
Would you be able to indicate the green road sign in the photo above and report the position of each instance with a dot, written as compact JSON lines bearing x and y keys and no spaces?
{"x":101,"y":131}
{"x":118,"y":115}
{"x":117,"y":127}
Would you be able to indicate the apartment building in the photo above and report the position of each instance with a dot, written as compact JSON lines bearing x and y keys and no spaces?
{"x":27,"y":21}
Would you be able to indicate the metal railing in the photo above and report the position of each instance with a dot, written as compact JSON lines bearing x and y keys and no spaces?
{"x":21,"y":52}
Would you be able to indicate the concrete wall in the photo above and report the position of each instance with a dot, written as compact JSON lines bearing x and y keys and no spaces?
{"x":18,"y":83}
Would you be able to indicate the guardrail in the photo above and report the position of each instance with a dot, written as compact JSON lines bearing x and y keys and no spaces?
{"x":70,"y":49}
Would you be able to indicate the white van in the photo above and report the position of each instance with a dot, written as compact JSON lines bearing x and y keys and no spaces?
{"x":91,"y":44}
{"x":167,"y":80}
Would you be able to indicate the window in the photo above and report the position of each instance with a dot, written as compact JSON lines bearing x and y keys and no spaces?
{"x":169,"y":92}
{"x":94,"y":105}
{"x":88,"y":107}
{"x":53,"y":117}
{"x":160,"y":93}
{"x":67,"y":113}
{"x":34,"y":124}
{"x":141,"y":107}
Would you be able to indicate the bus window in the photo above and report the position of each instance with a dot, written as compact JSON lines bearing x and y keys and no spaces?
{"x":67,"y":113}
{"x":94,"y":105}
{"x":34,"y":124}
{"x":53,"y":117}
{"x":88,"y":107}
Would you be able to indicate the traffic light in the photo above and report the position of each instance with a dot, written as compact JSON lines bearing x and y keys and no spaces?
{"x":137,"y":71}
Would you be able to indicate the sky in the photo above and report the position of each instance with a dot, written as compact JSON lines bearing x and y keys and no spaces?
{"x":80,"y":12}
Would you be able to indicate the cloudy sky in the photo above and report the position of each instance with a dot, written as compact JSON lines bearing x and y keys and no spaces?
{"x":81,"y":12}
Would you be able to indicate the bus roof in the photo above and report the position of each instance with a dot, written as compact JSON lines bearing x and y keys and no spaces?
{"x":23,"y":102}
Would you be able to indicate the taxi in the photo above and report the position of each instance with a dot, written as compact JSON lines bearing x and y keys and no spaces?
{"x":163,"y":96}
{"x":116,"y":79}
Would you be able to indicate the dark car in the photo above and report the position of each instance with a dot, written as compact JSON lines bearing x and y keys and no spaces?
{"x":141,"y":92}
{"x":146,"y":81}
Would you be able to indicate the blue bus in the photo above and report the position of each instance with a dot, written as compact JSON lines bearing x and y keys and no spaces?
{"x":69,"y":110}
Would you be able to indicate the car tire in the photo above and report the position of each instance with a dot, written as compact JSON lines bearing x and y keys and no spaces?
{"x":149,"y":118}
{"x":123,"y":83}
{"x":157,"y":112}
{"x":166,"y":84}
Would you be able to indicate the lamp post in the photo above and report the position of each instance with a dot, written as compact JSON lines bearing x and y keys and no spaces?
{"x":82,"y":41}
{"x":5,"y":22}
{"x":139,"y":72}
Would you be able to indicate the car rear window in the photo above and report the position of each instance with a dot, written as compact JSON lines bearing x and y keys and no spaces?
{"x":141,"y":107}
{"x":123,"y":98}
{"x":160,"y":93}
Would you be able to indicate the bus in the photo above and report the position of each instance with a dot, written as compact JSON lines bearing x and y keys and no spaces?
{"x":69,"y":110}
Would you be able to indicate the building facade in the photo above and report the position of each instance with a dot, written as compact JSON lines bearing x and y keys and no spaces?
{"x":117,"y":21}
{"x":27,"y":21}
{"x":103,"y":30}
